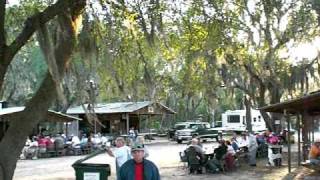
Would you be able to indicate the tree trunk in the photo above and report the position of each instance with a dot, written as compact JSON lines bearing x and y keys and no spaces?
{"x":248,"y":113}
{"x":268,"y":120}
{"x":22,"y":123}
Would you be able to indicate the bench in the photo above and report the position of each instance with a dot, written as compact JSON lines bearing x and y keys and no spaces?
{"x":309,"y":165}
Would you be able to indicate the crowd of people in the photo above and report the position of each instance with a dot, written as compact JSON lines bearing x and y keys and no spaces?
{"x":60,"y":144}
{"x":241,"y":144}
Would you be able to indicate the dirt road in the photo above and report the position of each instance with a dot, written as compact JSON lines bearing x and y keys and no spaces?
{"x":163,"y":153}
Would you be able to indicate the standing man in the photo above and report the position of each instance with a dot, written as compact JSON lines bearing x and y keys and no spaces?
{"x":132,"y":135}
{"x":139,"y":168}
{"x":252,"y":149}
{"x":121,"y":153}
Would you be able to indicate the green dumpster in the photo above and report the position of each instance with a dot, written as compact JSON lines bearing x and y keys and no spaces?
{"x":90,"y":171}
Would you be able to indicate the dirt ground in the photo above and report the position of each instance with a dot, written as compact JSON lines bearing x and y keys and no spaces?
{"x":165,"y":155}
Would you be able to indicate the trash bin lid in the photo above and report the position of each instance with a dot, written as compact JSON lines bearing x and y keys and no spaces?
{"x":91,"y":165}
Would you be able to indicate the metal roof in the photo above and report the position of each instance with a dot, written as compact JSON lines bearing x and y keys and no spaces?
{"x":10,"y":110}
{"x":309,"y":103}
{"x":117,"y":107}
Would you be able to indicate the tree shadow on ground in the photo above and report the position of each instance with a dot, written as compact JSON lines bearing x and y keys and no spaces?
{"x":302,"y":173}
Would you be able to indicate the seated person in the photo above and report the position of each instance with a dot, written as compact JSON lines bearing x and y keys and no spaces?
{"x":83,"y":141}
{"x":42,"y":143}
{"x":96,"y":141}
{"x":272,"y":139}
{"x":195,"y":156}
{"x":221,"y":150}
{"x":230,"y":149}
{"x":234,"y":144}
{"x":230,"y":156}
{"x":31,"y":149}
{"x":260,"y":139}
{"x":314,"y":154}
{"x":244,"y":142}
{"x":214,"y":165}
{"x":58,"y":140}
{"x":195,"y":144}
{"x":75,"y":142}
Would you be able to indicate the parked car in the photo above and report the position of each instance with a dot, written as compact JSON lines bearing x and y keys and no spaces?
{"x":177,"y":126}
{"x":200,"y":130}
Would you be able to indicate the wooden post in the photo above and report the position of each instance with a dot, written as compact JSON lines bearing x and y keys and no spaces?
{"x":304,"y":136}
{"x":312,"y":130}
{"x":67,"y":129}
{"x":289,"y":144}
{"x":139,"y":122}
{"x":127,"y":118}
{"x":299,"y":143}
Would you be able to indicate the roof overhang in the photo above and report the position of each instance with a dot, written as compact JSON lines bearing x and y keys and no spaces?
{"x":309,"y":104}
{"x":119,"y":107}
{"x":52,"y":116}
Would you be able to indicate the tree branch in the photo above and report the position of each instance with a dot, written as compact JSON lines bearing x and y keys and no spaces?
{"x":252,"y":74}
{"x":2,"y":31}
{"x":32,"y":24}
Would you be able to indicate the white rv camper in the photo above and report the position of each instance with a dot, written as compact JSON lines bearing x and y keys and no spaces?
{"x":236,"y":120}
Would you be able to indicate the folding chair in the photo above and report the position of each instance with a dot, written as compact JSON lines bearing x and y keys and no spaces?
{"x":183,"y":159}
{"x":194,"y":160}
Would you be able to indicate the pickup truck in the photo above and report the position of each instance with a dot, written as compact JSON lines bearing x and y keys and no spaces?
{"x":200,"y":130}
{"x":177,"y":126}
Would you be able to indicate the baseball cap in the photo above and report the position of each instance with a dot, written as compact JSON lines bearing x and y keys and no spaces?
{"x":137,"y":147}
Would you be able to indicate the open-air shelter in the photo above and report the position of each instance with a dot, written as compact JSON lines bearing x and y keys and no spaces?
{"x":52,"y":116}
{"x":118,"y":117}
{"x":307,"y":111}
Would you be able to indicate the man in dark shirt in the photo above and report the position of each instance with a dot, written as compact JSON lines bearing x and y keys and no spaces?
{"x":139,"y":168}
{"x":221,"y":150}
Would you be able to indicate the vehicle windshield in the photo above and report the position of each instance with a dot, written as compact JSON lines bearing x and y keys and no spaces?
{"x":194,"y":126}
{"x":179,"y":126}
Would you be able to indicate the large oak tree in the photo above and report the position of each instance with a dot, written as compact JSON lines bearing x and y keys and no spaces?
{"x":57,"y":50}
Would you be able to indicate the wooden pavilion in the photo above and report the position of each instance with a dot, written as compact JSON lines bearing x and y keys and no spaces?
{"x":307,"y":112}
{"x":52,"y":116}
{"x":118,"y":117}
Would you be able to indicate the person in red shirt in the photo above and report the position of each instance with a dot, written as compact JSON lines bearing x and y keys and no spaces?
{"x":139,"y":168}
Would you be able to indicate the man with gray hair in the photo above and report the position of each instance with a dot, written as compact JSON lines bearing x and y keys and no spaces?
{"x":139,"y":168}
{"x":121,"y":153}
{"x":195,"y":144}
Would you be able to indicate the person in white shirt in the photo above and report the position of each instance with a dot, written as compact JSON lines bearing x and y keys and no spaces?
{"x":122,"y":153}
{"x":244,"y":142}
{"x":30,"y":149}
{"x":230,"y":149}
{"x":75,"y":141}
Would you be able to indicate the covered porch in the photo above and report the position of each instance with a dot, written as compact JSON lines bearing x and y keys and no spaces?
{"x":117,"y":118}
{"x":305,"y":110}
{"x":68,"y":124}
